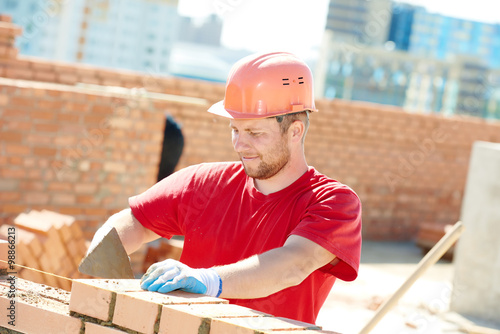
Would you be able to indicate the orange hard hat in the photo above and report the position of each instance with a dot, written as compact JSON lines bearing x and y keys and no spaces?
{"x":267,"y":85}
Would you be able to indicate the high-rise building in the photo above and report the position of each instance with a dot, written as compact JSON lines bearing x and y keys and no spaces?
{"x":437,"y":36}
{"x":401,"y":25}
{"x":434,"y":63}
{"x":359,"y":21}
{"x":207,"y":31}
{"x":129,"y":34}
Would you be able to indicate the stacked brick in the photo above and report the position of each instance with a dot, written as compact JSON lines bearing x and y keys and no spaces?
{"x":120,"y":306}
{"x":8,"y":33}
{"x":49,"y":242}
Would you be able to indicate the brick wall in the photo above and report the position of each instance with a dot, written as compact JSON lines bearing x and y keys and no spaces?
{"x":84,"y":149}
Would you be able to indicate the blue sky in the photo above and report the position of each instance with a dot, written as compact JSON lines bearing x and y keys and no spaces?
{"x":298,"y":25}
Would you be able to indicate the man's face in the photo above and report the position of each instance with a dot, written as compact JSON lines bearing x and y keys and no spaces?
{"x":262,"y":148}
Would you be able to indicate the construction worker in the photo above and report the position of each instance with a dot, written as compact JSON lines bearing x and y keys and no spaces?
{"x":268,"y":232}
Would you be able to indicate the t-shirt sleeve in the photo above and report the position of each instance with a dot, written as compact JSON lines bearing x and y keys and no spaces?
{"x":160,"y":207}
{"x":334,"y":222}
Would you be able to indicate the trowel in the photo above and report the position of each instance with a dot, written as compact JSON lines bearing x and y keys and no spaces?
{"x":108,"y":259}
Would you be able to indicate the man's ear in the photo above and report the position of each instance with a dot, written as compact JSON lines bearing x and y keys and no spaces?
{"x":296,"y":131}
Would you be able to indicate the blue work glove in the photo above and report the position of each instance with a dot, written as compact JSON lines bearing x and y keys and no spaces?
{"x":170,"y":275}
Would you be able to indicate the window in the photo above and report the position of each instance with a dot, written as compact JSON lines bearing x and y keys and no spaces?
{"x":11,"y":4}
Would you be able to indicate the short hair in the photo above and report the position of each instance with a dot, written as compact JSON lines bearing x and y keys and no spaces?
{"x":286,"y":120}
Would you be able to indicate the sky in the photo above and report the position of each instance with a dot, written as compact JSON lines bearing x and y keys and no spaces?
{"x":297,"y":25}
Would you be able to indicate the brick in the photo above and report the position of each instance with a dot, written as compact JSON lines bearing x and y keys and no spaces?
{"x":22,"y":101}
{"x":258,"y":325}
{"x":5,"y":18}
{"x":40,"y":198}
{"x":92,"y":298}
{"x":58,"y":219}
{"x":7,"y":185}
{"x":36,"y":320}
{"x":63,"y":199}
{"x":4,"y":248}
{"x":91,"y":328}
{"x":19,"y":125}
{"x":59,"y":186}
{"x":128,"y":304}
{"x":29,"y":222}
{"x":31,"y":186}
{"x":135,"y":313}
{"x":45,"y":76}
{"x":54,"y":246}
{"x":46,"y":127}
{"x":44,"y":151}
{"x":33,"y":319}
{"x":68,"y":118}
{"x":65,"y":233}
{"x":17,"y":149}
{"x":85,"y":188}
{"x":45,"y":115}
{"x":52,"y":105}
{"x":26,"y":258}
{"x":9,"y":196}
{"x":196,"y":318}
{"x":11,"y":136}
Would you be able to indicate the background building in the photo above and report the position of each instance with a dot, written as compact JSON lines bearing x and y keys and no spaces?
{"x":426,"y":63}
{"x":433,"y":35}
{"x":359,"y":21}
{"x":128,"y":34}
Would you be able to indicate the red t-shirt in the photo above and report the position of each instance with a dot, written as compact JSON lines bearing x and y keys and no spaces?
{"x":225,"y":219}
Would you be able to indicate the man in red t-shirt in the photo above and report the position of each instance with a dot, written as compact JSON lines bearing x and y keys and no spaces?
{"x":269,"y":232}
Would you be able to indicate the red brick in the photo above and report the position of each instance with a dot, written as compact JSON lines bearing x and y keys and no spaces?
{"x":9,"y":196}
{"x":71,"y":118}
{"x":36,"y":320}
{"x":16,"y":161}
{"x":59,"y":186}
{"x":193,"y":318}
{"x":11,"y":136}
{"x":47,"y":127}
{"x":12,"y":208}
{"x":22,"y":101}
{"x":67,"y":78}
{"x":45,"y":76}
{"x":17,"y":149}
{"x":18,"y":73}
{"x":85,"y":188}
{"x":44,"y":151}
{"x":63,"y":199}
{"x":4,"y":253}
{"x":54,"y":105}
{"x":100,"y":109}
{"x":92,"y":298}
{"x":91,"y":328}
{"x":19,"y":125}
{"x":32,"y":185}
{"x":43,"y":114}
{"x":258,"y":325}
{"x":5,"y":18}
{"x":136,"y":314}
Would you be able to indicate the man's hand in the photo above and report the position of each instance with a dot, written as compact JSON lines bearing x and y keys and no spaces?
{"x":172,"y":275}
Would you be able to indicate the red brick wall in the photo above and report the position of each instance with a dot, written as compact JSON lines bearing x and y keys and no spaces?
{"x":81,"y":152}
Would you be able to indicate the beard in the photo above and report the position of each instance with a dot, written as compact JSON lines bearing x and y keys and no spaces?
{"x":270,"y":165}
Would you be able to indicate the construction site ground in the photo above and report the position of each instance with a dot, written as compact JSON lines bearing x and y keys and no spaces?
{"x":425,"y":308}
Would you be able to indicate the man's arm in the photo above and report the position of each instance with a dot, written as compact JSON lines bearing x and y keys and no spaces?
{"x":270,"y":272}
{"x":255,"y":277}
{"x":132,"y":234}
